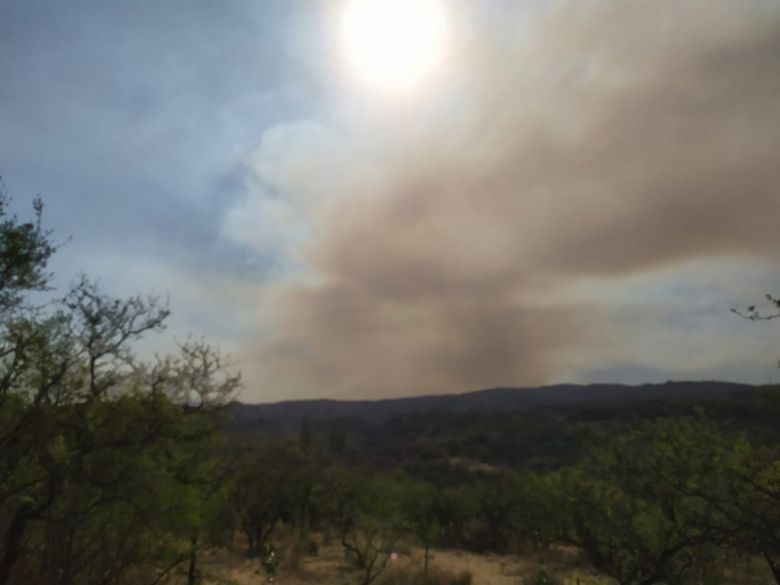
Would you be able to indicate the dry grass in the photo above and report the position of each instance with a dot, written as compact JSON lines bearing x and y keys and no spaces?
{"x":329,"y":567}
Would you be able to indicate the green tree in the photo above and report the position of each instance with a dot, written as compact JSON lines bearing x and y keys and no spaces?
{"x":736,"y":478}
{"x":369,"y":517}
{"x":306,"y":434}
{"x":95,"y":444}
{"x":422,"y":516}
{"x":261,"y":494}
{"x":629,"y":516}
{"x":539,"y":517}
{"x":337,"y":437}
{"x":25,"y":249}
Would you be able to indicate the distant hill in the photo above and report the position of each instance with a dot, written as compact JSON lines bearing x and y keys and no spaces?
{"x":283,"y":414}
{"x":457,"y":437}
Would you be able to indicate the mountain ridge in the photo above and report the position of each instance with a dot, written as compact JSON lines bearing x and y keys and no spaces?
{"x":489,"y":399}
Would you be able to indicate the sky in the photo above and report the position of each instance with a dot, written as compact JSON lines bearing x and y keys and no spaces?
{"x":578,"y":190}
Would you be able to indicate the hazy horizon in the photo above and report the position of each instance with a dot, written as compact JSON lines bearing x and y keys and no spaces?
{"x":481,"y":390}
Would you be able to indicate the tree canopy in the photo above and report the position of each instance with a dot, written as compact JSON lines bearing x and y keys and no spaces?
{"x":105,"y":474}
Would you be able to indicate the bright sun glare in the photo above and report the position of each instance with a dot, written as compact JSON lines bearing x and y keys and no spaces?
{"x":393,"y":45}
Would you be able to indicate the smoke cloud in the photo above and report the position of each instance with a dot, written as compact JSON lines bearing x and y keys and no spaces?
{"x":440,"y":246}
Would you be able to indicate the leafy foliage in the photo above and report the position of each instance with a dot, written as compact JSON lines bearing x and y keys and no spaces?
{"x":105,"y":473}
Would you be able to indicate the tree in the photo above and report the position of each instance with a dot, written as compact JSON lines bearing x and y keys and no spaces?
{"x":539,"y":517}
{"x":422,"y":515}
{"x":261,"y":494}
{"x":627,"y":510}
{"x":95,"y":444}
{"x":737,"y":479}
{"x":664,"y":501}
{"x":25,"y":249}
{"x":755,"y":314}
{"x":753,"y":501}
{"x":306,"y":434}
{"x":337,"y":437}
{"x":369,"y":519}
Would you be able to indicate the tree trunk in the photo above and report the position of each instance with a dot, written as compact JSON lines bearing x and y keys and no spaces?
{"x":774,"y":565}
{"x":252,"y":545}
{"x":193,"y":575}
{"x":12,"y":547}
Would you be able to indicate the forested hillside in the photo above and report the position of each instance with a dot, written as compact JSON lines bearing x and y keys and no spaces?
{"x":508,"y":428}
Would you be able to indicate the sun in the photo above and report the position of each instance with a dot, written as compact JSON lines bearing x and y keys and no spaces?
{"x":393,"y":45}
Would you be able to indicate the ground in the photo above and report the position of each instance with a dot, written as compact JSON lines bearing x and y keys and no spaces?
{"x":328,"y":567}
